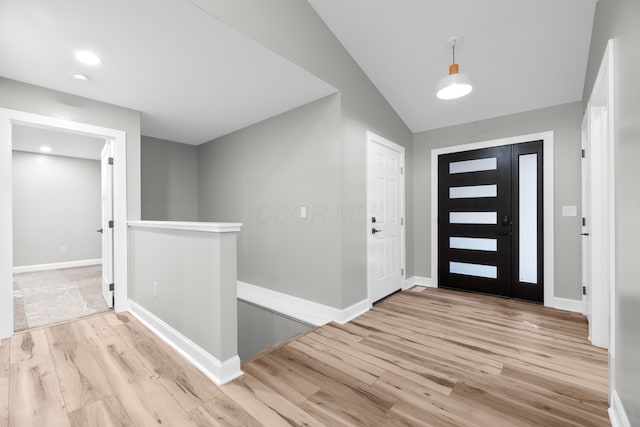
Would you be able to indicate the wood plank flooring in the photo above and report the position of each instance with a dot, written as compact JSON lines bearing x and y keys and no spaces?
{"x":431,"y":358}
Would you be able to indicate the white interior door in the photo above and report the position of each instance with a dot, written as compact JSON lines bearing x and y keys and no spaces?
{"x":598,"y":198}
{"x":586,"y":222}
{"x":106,"y":160}
{"x":600,"y":233}
{"x":385,"y":217}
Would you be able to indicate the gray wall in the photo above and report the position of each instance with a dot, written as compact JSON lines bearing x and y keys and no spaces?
{"x":565,"y":121}
{"x":307,"y":42}
{"x":169,"y":180}
{"x":56,"y":203}
{"x":619,"y":19}
{"x":196,"y":281}
{"x":38,"y":100}
{"x":260,"y":329}
{"x":260,"y":176}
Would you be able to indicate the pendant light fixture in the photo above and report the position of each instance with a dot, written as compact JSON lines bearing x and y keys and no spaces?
{"x":455,"y":85}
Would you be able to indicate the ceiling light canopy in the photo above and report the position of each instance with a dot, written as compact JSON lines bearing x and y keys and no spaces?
{"x":88,"y":58}
{"x":455,"y":85}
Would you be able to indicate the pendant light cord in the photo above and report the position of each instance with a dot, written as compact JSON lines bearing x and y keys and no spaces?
{"x":453,"y":47}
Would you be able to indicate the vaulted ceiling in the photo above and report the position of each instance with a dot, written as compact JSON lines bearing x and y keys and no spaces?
{"x":520,"y":54}
{"x":194,"y":78}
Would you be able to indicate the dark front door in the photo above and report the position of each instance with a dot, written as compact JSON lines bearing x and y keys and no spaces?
{"x":490,"y":221}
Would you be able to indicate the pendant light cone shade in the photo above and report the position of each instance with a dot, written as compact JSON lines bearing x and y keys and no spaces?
{"x":455,"y":85}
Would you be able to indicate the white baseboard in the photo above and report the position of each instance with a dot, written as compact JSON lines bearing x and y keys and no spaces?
{"x":56,"y":265}
{"x":617,"y":414}
{"x":304,"y":310}
{"x":568,"y":304}
{"x":348,"y":314}
{"x":219,"y":372}
{"x":418,"y":281}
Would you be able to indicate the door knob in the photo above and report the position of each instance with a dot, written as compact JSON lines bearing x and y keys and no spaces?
{"x":99,"y":231}
{"x":374,"y":231}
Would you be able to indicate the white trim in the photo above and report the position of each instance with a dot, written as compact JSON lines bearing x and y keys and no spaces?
{"x":617,"y":414}
{"x":301,"y":309}
{"x":8,"y":118}
{"x":56,"y":265}
{"x":348,"y":314}
{"x":219,"y":372}
{"x":418,"y":281}
{"x":568,"y":304}
{"x":372,"y":138}
{"x":548,"y":210}
{"x":612,"y":212}
{"x":209,"y":227}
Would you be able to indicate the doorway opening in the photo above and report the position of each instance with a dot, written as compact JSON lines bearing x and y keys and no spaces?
{"x":490,"y":210}
{"x":9,"y":120}
{"x":58,"y":262}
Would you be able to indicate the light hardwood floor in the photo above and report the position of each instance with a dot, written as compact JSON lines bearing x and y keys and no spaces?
{"x":437,"y":357}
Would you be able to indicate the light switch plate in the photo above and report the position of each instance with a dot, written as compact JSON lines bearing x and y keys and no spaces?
{"x":569,"y":211}
{"x":303,"y":211}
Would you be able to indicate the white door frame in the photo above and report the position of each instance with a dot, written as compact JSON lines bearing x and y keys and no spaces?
{"x":8,"y":118}
{"x":371,"y":139}
{"x":548,"y":209}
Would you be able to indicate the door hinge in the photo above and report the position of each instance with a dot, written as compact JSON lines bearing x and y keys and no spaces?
{"x":110,"y":286}
{"x":584,"y":290}
{"x":111,"y":224}
{"x":402,"y":271}
{"x":401,"y":221}
{"x":401,"y":171}
{"x":584,"y":221}
{"x":584,"y":153}
{"x":110,"y":160}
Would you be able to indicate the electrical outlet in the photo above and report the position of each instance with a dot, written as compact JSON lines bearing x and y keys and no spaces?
{"x":63,"y":249}
{"x":155,"y":289}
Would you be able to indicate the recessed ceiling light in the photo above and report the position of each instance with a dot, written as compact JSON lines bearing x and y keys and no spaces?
{"x":45,"y":149}
{"x":88,"y":58}
{"x":80,"y":76}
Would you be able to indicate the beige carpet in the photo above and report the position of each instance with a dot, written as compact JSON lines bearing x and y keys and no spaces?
{"x":52,"y":296}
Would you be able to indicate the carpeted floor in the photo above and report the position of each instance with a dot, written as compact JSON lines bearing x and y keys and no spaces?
{"x":52,"y":296}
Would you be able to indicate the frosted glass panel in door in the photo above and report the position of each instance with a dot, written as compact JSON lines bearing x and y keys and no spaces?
{"x":478,"y":270}
{"x":473,"y":191}
{"x":528,"y":218}
{"x":473,"y":243}
{"x":473,"y":217}
{"x":475,"y":165}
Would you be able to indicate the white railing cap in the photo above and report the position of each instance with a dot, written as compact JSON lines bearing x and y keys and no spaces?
{"x":207,"y":227}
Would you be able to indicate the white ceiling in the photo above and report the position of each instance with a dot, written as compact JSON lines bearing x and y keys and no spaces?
{"x":520,"y":54}
{"x":26,"y":138}
{"x":192,"y":77}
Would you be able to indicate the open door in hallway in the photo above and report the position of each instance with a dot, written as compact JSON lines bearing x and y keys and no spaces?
{"x":490,"y":221}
